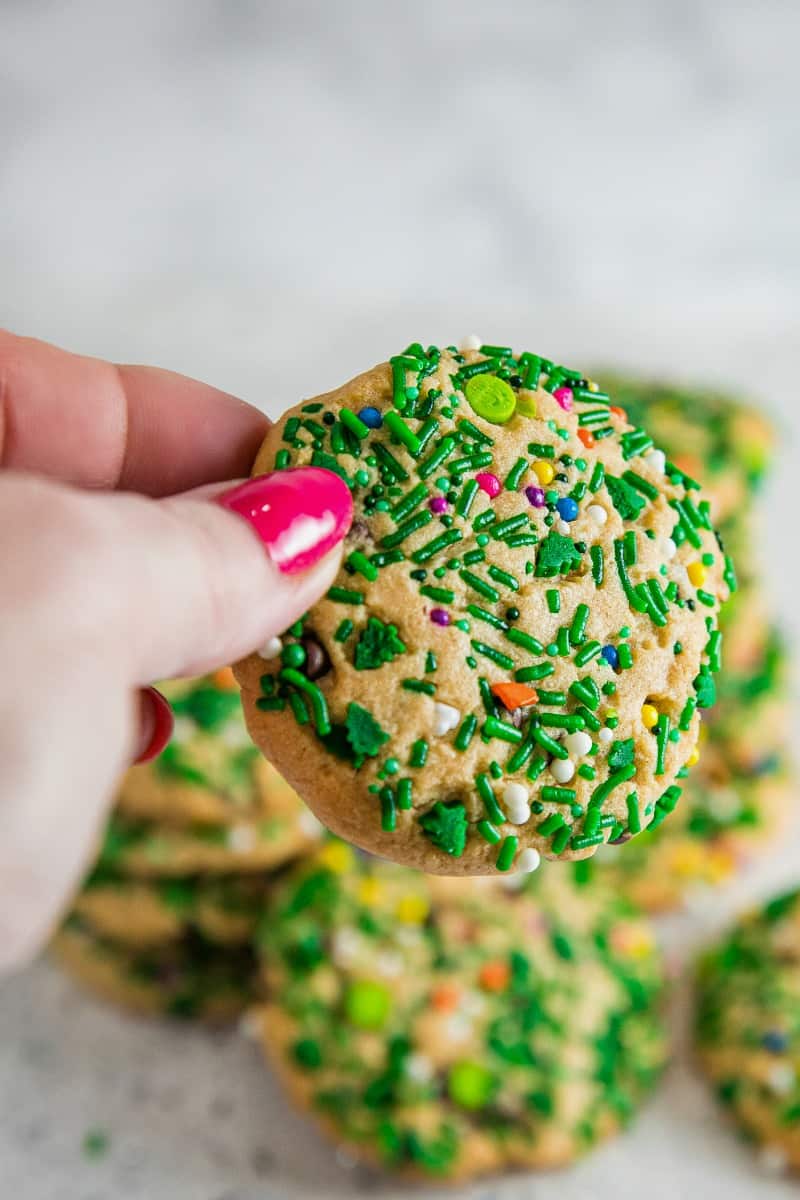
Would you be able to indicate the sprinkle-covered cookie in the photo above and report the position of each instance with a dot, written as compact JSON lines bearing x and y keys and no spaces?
{"x":150,"y":848}
{"x":748,"y":1026}
{"x":191,"y":978}
{"x":728,"y":442}
{"x":210,"y":772}
{"x":456,"y":1034}
{"x":512,"y":658}
{"x":144,"y":912}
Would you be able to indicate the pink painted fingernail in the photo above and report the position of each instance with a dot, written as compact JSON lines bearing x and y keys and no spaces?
{"x":299,"y":514}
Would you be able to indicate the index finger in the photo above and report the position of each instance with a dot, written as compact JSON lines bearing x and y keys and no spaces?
{"x":96,"y":424}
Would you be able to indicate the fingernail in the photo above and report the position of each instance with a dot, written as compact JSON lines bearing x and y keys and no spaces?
{"x":299,"y":514}
{"x":157,"y":722}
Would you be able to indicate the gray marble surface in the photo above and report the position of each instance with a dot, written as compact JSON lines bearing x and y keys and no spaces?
{"x":273,"y":195}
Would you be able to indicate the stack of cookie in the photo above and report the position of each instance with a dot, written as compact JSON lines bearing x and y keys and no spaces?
{"x":164,"y":923}
{"x":737,"y":797}
{"x":449,"y":1028}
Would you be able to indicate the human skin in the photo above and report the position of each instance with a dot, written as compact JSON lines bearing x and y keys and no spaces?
{"x":130,"y":552}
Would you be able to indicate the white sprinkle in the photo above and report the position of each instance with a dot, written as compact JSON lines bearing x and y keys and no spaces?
{"x":345,"y":946}
{"x":562,"y":769}
{"x":457,"y":1028}
{"x":518,"y":814}
{"x":445,"y":718}
{"x":271,"y":648}
{"x":242,"y":839}
{"x":657,"y":459}
{"x":234,"y":735}
{"x":578,"y":743}
{"x":419,"y":1068}
{"x":668,"y":548}
{"x":563,"y":528}
{"x":184,"y":729}
{"x":773,"y":1159}
{"x":782,"y":1079}
{"x":474,"y":1004}
{"x":597,"y":513}
{"x":527,"y":860}
{"x":605,"y":736}
{"x":470,"y":342}
{"x":515,"y":794}
{"x":389,"y":965}
{"x":308,"y":824}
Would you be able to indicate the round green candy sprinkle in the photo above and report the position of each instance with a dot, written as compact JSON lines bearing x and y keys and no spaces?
{"x":491,"y":398}
{"x":677,"y":648}
{"x":470,"y":1084}
{"x":447,"y":411}
{"x":482,"y":539}
{"x":371,"y":460}
{"x":453,"y":564}
{"x":471,"y":662}
{"x":707,"y":560}
{"x":608,"y":688}
{"x":442,"y":483}
{"x":367,"y":1004}
{"x":391,"y":766}
{"x":675,"y":735}
{"x":552,"y":649}
{"x":581,"y":464}
{"x":307,"y":1053}
{"x":551,"y":496}
{"x":362,"y":477}
{"x":293,"y":655}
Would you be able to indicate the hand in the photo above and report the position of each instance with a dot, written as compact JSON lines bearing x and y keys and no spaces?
{"x":124,"y":559}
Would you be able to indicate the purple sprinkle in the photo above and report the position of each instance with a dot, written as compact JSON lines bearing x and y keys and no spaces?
{"x":438,"y":504}
{"x":440,"y":616}
{"x":536,"y":496}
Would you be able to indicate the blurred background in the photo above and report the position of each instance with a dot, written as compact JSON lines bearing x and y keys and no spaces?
{"x":275,"y":195}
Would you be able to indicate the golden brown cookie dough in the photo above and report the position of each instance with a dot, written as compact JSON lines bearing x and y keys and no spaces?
{"x":189,"y":979}
{"x":451,"y":1033}
{"x":748,"y":1026}
{"x":512,"y":657}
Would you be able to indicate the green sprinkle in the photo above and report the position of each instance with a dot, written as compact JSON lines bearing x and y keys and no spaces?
{"x":494,"y":727}
{"x":486,"y":793}
{"x":441,"y":595}
{"x":388,"y":805}
{"x":507,"y":853}
{"x":515,"y":474}
{"x":360,"y":563}
{"x":538,"y":764}
{"x":404,"y":794}
{"x":587,"y":772}
{"x":419,"y":753}
{"x":604,"y":790}
{"x":584,"y":841}
{"x":344,"y":630}
{"x":547,"y":743}
{"x":530,"y":674}
{"x":345,"y":596}
{"x":479,"y":585}
{"x":438,"y":543}
{"x":714,"y":650}
{"x":587,"y":652}
{"x":419,"y":685}
{"x":592,"y":821}
{"x":520,"y":638}
{"x":499,"y":530}
{"x":598,"y":475}
{"x":384,"y":559}
{"x":481,"y":614}
{"x":577,"y":629}
{"x":587,"y":691}
{"x":558,"y":795}
{"x":500,"y":576}
{"x":550,"y":824}
{"x":662,"y":735}
{"x":552,"y":697}
{"x":541,"y":450}
{"x":642,"y":485}
{"x":396,"y":425}
{"x":495,"y":656}
{"x":598,"y":568}
{"x":281,"y":460}
{"x":299,"y":709}
{"x":488,"y":517}
{"x":353,"y":423}
{"x":522,"y":539}
{"x":625,"y":656}
{"x":435,"y":459}
{"x":568,"y":721}
{"x":406,"y":505}
{"x":473,"y":556}
{"x":270,"y":704}
{"x":465,"y":500}
{"x":553,"y":600}
{"x":319,"y":705}
{"x":406,"y":529}
{"x":388,"y":462}
{"x":561,"y":838}
{"x":520,"y":756}
{"x":634,"y":823}
{"x":466,"y":732}
{"x":488,"y":832}
{"x":466,"y":427}
{"x":706,"y":598}
{"x":426,"y":432}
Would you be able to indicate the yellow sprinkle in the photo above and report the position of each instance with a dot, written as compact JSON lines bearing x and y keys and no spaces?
{"x":544,"y":472}
{"x":526,"y":405}
{"x":693,"y":757}
{"x":412,"y":910}
{"x":336,"y":856}
{"x":370,"y":892}
{"x":719,"y":865}
{"x":592,"y":386}
{"x":689,"y":860}
{"x":697,"y":573}
{"x":649,"y":716}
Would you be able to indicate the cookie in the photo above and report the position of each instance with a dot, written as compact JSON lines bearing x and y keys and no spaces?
{"x":210,"y":773}
{"x":748,"y":1026}
{"x":140,"y":912}
{"x":451,"y":1032}
{"x":192,"y":978}
{"x":150,"y":849}
{"x":726,"y":441}
{"x":512,"y":658}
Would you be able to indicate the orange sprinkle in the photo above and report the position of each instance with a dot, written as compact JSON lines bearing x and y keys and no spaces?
{"x":494,"y":976}
{"x":514,"y":695}
{"x":587,"y":437}
{"x":617,"y":411}
{"x":445,"y":997}
{"x":224,"y":679}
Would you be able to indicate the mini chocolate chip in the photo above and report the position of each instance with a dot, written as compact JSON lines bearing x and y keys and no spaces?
{"x":317,"y":662}
{"x":517,"y":716}
{"x":360,"y":532}
{"x":622,"y":839}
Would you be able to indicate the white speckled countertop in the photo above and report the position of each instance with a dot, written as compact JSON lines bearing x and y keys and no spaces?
{"x":274,"y":194}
